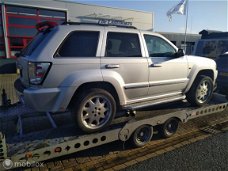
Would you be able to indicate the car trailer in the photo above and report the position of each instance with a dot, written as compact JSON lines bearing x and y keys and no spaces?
{"x":59,"y":141}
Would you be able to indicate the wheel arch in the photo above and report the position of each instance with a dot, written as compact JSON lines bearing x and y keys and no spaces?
{"x":205,"y":72}
{"x":98,"y":84}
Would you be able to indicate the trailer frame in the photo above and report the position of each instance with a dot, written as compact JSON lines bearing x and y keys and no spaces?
{"x":41,"y":150}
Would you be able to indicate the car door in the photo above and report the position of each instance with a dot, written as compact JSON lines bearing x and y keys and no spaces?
{"x":123,"y":60}
{"x":167,"y":73}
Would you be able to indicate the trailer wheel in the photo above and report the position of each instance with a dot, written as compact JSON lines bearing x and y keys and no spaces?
{"x":142,"y":135}
{"x":169,"y":128}
{"x":94,"y":110}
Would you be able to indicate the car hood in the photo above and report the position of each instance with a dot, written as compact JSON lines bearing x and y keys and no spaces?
{"x":201,"y":61}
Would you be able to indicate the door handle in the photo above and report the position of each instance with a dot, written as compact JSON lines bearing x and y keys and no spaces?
{"x":111,"y":66}
{"x":155,"y":65}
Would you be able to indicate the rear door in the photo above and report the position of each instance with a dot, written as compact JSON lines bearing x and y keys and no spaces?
{"x":78,"y":55}
{"x":123,"y":58}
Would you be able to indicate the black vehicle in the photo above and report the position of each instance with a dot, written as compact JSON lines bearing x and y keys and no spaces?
{"x":222,"y":80}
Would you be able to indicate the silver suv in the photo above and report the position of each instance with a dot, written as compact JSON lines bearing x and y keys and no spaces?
{"x":96,"y":70}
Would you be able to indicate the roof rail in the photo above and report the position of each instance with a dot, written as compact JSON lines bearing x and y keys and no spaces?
{"x":97,"y":24}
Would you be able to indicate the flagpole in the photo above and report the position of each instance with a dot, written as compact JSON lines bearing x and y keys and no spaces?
{"x":186,"y":27}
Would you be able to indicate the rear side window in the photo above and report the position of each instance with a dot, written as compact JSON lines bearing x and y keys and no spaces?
{"x":79,"y":44}
{"x":122,"y":45}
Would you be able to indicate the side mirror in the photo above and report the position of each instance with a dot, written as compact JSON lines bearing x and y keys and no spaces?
{"x":180,"y":53}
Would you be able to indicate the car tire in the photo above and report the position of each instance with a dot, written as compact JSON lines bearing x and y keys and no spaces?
{"x":201,"y":91}
{"x":94,"y":110}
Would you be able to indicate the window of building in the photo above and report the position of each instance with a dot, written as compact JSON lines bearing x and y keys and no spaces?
{"x":59,"y":21}
{"x":29,"y":32}
{"x":51,"y":13}
{"x":79,"y":44}
{"x":21,"y":23}
{"x":157,"y":47}
{"x":123,"y":45}
{"x":188,"y":46}
{"x":21,"y":10}
{"x":174,"y":42}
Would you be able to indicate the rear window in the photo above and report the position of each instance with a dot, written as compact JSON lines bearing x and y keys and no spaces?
{"x":79,"y":44}
{"x":211,"y":48}
{"x":34,"y":43}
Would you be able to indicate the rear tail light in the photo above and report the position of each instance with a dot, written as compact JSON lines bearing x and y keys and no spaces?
{"x":38,"y":72}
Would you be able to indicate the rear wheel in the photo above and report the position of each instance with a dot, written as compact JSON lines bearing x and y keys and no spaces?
{"x":201,"y":91}
{"x":94,"y":110}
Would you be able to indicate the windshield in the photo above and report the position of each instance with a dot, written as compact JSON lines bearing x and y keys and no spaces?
{"x":34,"y":43}
{"x":211,"y":48}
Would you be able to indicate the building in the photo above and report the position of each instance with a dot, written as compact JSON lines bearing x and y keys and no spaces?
{"x":18,"y":19}
{"x":178,"y":39}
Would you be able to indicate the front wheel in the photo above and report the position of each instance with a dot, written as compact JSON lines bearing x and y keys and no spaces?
{"x":201,"y":91}
{"x":94,"y":110}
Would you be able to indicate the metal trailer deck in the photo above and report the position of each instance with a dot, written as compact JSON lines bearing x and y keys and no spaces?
{"x":59,"y":141}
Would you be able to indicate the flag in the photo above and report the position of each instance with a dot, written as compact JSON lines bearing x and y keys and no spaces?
{"x":180,"y":8}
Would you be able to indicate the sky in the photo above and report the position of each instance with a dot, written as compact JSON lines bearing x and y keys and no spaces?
{"x":202,"y":14}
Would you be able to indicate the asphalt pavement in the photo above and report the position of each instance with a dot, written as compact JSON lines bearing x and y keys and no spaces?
{"x":207,"y":155}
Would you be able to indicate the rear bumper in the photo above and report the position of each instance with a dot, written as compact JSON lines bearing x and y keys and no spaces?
{"x":19,"y":87}
{"x":44,"y":99}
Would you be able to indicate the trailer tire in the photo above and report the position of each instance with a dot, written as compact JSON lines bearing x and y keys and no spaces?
{"x":142,"y":135}
{"x":94,"y":110}
{"x":169,"y":128}
{"x":201,"y":91}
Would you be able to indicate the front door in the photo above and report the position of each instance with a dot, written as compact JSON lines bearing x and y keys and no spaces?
{"x":168,"y":74}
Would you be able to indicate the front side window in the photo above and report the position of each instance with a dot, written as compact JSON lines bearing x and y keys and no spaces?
{"x":158,"y":47}
{"x":122,"y":45}
{"x":79,"y":44}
